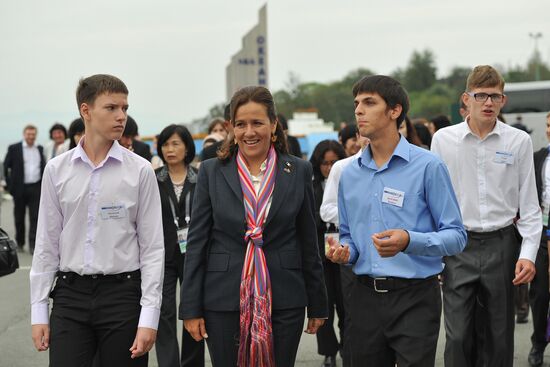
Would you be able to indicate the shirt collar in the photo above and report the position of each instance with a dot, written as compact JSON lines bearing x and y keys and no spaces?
{"x":115,"y":152}
{"x":25,"y":145}
{"x":465,"y":129}
{"x":402,"y":150}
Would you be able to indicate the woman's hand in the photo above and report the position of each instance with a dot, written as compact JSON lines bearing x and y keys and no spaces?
{"x":313,"y":325}
{"x":196,"y":328}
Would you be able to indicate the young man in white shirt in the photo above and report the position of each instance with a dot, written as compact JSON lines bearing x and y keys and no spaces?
{"x":491,"y":167}
{"x":100,"y":233}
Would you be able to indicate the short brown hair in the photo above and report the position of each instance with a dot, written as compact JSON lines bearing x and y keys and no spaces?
{"x":93,"y":86}
{"x":261,"y":96}
{"x":30,"y":127}
{"x":484,"y":76}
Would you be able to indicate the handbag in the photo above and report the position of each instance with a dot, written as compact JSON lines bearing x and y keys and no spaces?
{"x":9,"y":262}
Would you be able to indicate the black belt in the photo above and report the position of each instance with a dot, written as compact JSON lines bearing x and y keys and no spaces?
{"x":70,"y":276}
{"x":387,"y":284}
{"x":497,"y":233}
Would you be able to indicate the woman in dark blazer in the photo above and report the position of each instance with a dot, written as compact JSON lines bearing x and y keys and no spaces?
{"x":176,"y":180}
{"x":252,"y":312}
{"x":325,"y":154}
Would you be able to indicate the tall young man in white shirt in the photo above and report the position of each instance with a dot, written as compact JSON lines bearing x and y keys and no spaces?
{"x":100,"y":234}
{"x":491,"y":167}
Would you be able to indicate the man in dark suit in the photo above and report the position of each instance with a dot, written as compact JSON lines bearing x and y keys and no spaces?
{"x":23,"y":168}
{"x":538,"y":292}
{"x":129,"y":141}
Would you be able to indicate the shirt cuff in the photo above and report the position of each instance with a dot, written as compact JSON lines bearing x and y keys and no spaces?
{"x":417,"y":242}
{"x":39,"y":314}
{"x":529,"y":252}
{"x":149,"y":317}
{"x":353,"y":255}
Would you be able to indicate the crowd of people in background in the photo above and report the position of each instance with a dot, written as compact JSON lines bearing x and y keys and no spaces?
{"x":366,"y":232}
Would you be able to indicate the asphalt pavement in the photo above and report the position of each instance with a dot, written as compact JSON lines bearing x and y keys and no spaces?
{"x":18,"y":350}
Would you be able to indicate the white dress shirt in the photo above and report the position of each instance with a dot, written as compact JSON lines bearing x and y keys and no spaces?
{"x":329,"y":207}
{"x":51,"y":150}
{"x":79,"y":232}
{"x":494,"y":179}
{"x":31,"y":163}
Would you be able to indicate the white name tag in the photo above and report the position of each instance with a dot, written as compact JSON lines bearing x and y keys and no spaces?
{"x":393,"y":197}
{"x":115,"y":211}
{"x":504,"y":158}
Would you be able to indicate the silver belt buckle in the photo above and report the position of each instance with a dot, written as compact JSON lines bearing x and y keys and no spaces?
{"x":376,"y":287}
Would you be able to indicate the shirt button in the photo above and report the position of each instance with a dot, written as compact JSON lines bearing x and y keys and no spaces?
{"x":375,"y":265}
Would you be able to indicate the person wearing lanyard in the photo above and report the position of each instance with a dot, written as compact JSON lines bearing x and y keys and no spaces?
{"x":398,"y":218}
{"x":324,"y":156}
{"x":99,"y":232}
{"x":176,"y":180}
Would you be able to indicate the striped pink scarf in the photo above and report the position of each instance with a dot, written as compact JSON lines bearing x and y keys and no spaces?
{"x":256,"y":338}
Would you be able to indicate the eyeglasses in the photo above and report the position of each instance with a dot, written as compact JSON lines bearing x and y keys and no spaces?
{"x":482,"y":97}
{"x":328,"y":163}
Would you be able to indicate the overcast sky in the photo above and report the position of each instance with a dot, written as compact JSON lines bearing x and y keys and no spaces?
{"x":172,"y":54}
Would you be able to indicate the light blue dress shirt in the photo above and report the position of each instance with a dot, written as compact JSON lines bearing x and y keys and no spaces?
{"x":429,"y":212}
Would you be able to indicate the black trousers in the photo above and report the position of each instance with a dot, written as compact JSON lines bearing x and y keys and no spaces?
{"x":166,"y":346}
{"x":400,"y":326}
{"x":327,"y":341}
{"x":484,"y":271}
{"x":30,"y":199}
{"x":223,"y":336}
{"x":95,"y":315}
{"x":539,"y":297}
{"x":347,"y":278}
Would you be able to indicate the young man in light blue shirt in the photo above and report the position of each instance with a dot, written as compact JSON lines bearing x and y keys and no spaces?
{"x":398,"y":218}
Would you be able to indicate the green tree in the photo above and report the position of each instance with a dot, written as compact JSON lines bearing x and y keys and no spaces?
{"x":420,"y":74}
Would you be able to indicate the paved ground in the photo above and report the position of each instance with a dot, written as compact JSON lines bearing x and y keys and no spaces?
{"x":18,"y":351}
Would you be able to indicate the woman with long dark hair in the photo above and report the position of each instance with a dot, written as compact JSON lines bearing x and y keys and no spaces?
{"x":325,"y":154}
{"x":252,"y":264}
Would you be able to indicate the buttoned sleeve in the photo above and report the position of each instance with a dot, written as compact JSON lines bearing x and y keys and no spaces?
{"x":450,"y":236}
{"x":329,"y":206}
{"x":529,"y":224}
{"x":45,"y":262}
{"x":151,"y":248}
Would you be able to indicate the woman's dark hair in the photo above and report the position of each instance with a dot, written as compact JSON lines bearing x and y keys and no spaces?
{"x":261,"y":96}
{"x":58,"y":126}
{"x":423,"y":133}
{"x":319,"y":153}
{"x":184,"y":135}
{"x":412,"y":135}
{"x":76,"y":127}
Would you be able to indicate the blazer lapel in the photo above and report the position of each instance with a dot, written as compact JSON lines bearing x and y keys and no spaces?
{"x":285,"y":173}
{"x":229,"y":172}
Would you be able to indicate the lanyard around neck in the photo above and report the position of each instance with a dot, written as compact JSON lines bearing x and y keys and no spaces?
{"x":187,"y":214}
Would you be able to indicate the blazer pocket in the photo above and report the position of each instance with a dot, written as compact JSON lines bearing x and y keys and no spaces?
{"x":290,"y":259}
{"x":218,"y":262}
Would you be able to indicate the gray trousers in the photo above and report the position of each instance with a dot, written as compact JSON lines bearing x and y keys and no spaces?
{"x":485,"y":269}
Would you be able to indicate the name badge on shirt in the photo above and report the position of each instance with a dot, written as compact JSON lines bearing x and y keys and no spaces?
{"x":182,"y":239}
{"x":504,"y":158}
{"x":115,"y":211}
{"x":393,"y":197}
